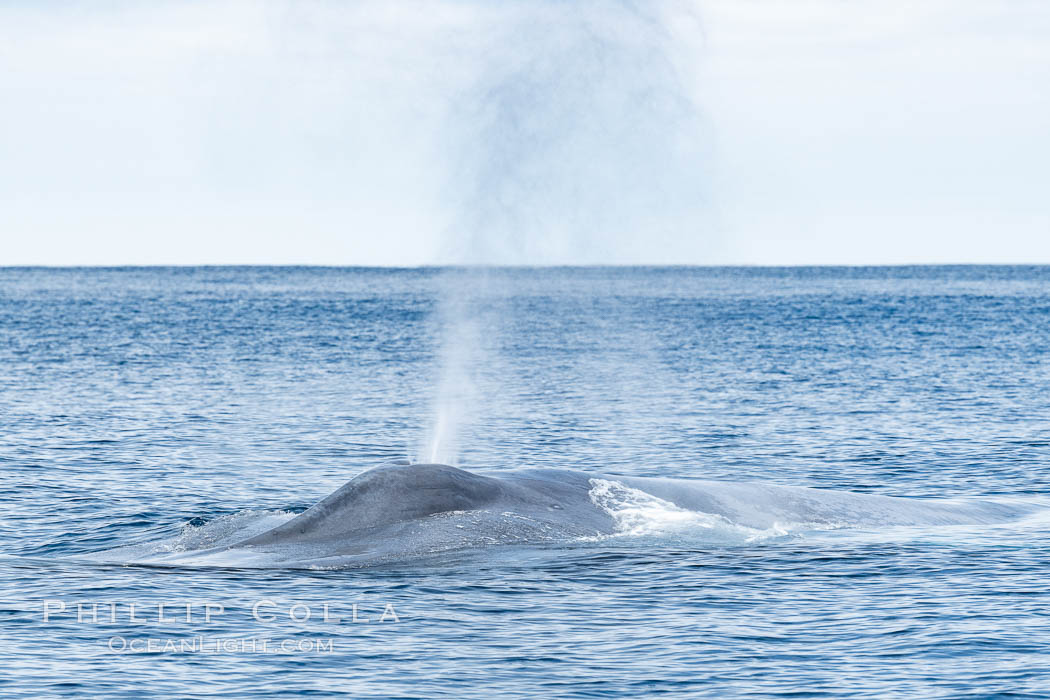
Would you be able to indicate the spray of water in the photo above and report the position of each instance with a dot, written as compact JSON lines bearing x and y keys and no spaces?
{"x":577,"y":137}
{"x":572,"y":136}
{"x":461,"y":357}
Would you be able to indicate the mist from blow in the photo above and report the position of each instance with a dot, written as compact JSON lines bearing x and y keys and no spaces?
{"x":416,"y":132}
{"x":573,"y":137}
{"x":461,"y":355}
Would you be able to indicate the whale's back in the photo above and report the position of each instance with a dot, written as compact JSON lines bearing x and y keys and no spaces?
{"x":384,"y":496}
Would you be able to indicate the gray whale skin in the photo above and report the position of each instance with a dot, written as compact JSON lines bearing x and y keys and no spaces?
{"x":407,"y":511}
{"x":400,"y":511}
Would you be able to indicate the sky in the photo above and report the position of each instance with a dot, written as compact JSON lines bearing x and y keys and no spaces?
{"x":410,"y":132}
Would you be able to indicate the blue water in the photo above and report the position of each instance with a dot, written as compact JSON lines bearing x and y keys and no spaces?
{"x":169,"y":407}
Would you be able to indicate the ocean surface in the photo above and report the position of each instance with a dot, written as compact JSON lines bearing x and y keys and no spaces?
{"x":154,"y":411}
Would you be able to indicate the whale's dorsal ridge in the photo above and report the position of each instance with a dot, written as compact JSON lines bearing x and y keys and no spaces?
{"x":388,"y":494}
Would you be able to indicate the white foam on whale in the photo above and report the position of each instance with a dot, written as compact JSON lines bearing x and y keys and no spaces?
{"x":640,"y":514}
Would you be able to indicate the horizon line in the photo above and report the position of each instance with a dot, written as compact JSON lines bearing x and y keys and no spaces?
{"x":509,"y":266}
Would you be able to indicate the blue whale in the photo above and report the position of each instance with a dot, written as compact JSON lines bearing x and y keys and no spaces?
{"x":405,"y":511}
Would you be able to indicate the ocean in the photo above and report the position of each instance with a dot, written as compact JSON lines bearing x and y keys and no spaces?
{"x":148,"y":415}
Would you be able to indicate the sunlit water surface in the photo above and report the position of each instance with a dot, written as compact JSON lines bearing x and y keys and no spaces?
{"x":169,"y":407}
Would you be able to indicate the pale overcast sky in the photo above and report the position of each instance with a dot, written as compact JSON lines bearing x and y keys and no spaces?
{"x":409,"y":132}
